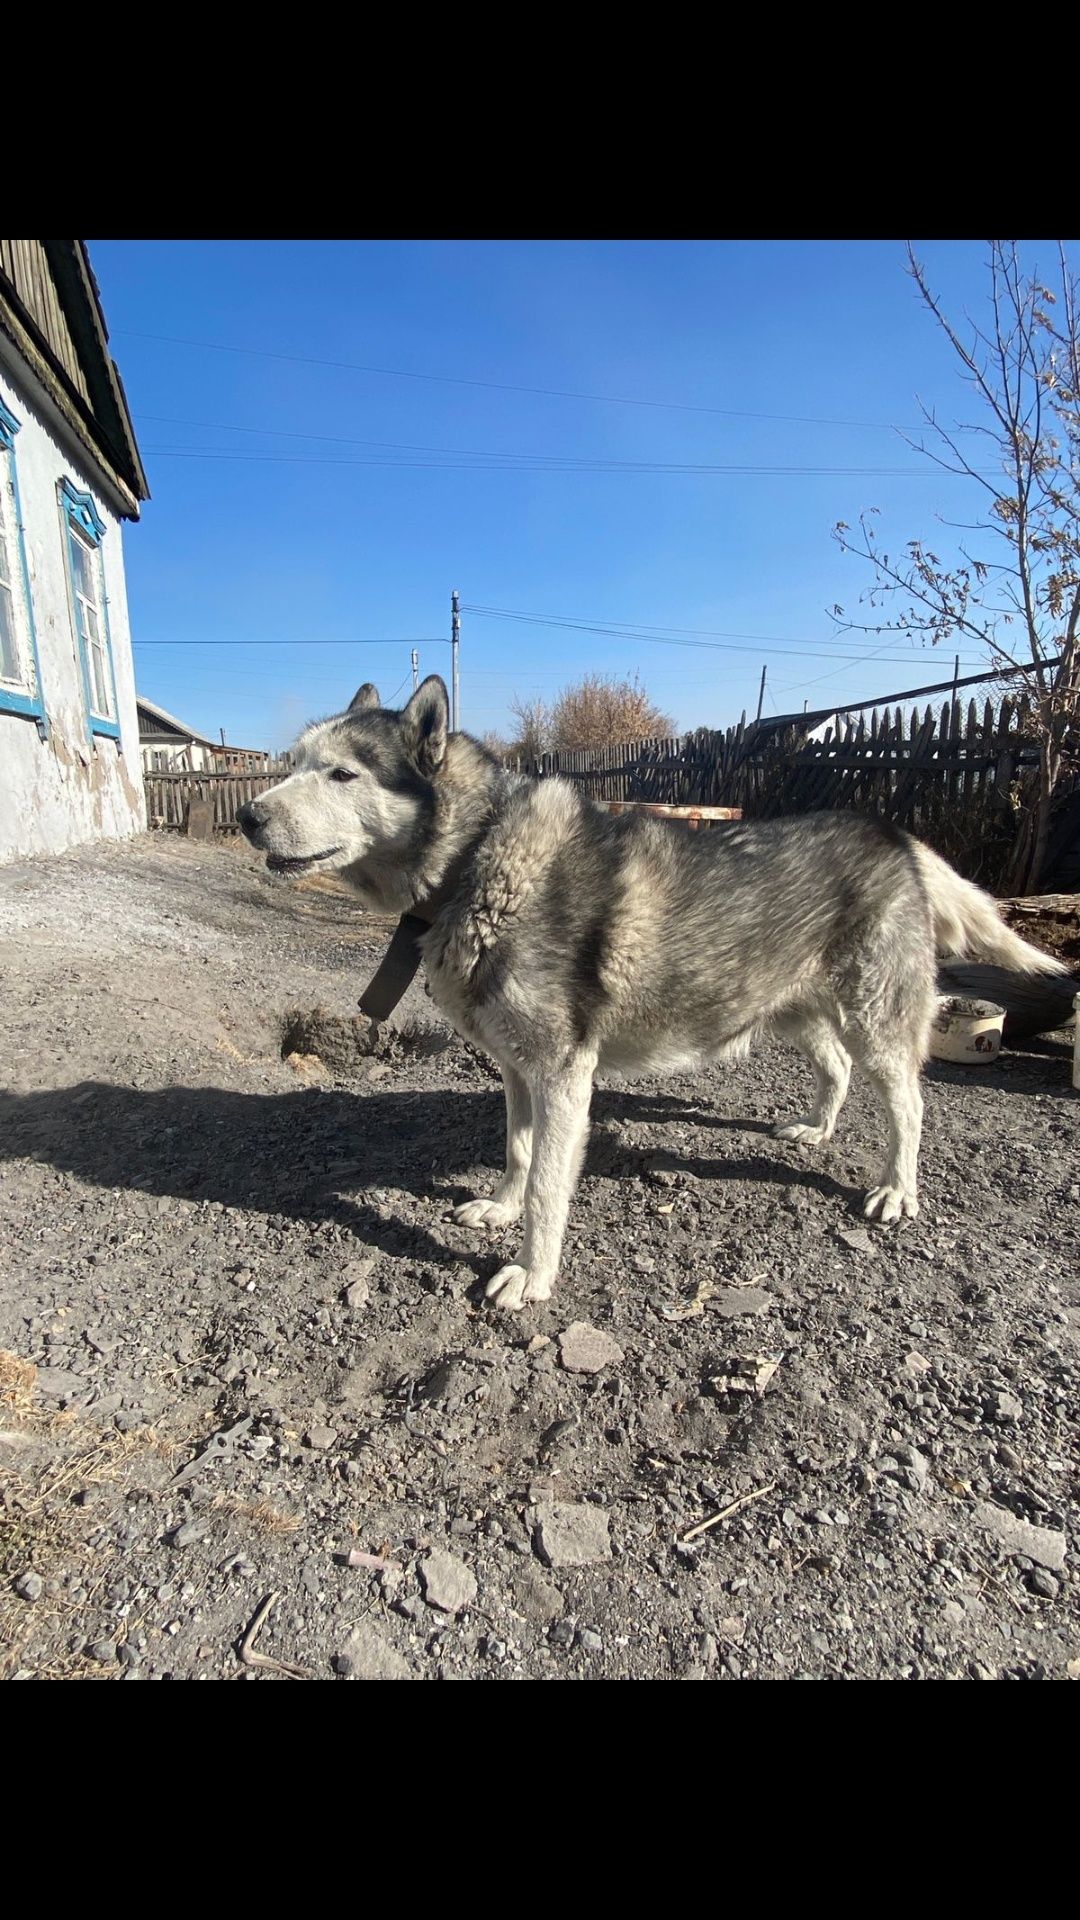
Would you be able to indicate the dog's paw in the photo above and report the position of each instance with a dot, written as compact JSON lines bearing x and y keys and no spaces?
{"x":804,"y":1131}
{"x":485,"y":1213}
{"x":513,"y":1287}
{"x":887,"y":1204}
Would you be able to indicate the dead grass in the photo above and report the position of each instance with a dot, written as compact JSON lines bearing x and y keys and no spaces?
{"x":17,"y":1380}
{"x":261,"y":1513}
{"x":43,"y":1530}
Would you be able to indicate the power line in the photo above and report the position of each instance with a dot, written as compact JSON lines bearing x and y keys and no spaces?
{"x":876,"y":653}
{"x":786,"y":645}
{"x":398,"y":640}
{"x":527,"y":462}
{"x":809,"y":653}
{"x":502,"y":386}
{"x":513,"y":464}
{"x":390,"y":698}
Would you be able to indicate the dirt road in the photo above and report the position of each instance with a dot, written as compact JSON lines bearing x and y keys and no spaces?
{"x":202,"y":1238}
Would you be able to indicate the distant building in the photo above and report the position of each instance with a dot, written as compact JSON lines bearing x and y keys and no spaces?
{"x":70,"y":474}
{"x":168,"y":746}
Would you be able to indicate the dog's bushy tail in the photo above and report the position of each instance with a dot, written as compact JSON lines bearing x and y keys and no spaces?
{"x":967,"y":922}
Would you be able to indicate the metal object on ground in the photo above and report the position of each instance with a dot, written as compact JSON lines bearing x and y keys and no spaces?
{"x":966,"y":1030}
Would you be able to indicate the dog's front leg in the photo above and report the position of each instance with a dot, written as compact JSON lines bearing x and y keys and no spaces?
{"x":508,"y":1198}
{"x":560,"y":1106}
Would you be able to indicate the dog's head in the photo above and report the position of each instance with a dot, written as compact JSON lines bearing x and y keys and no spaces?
{"x":361,"y":796}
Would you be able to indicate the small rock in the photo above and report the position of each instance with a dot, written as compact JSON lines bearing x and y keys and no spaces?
{"x":103,"y":1651}
{"x":1004,"y":1407}
{"x":366,"y":1656}
{"x":320,"y":1438}
{"x":733,"y":1302}
{"x":572,"y":1536}
{"x":190,"y":1532}
{"x":1044,"y":1583}
{"x":537,"y":1598}
{"x":857,"y":1239}
{"x":448,"y":1583}
{"x":356,"y":1295}
{"x":916,"y":1364}
{"x":56,"y":1383}
{"x":562,"y":1634}
{"x":585,"y":1349}
{"x":30,"y":1586}
{"x":590,"y":1640}
{"x":1044,"y":1545}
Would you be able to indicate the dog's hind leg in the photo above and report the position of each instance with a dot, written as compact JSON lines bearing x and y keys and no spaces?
{"x":891,"y":1062}
{"x":817,"y":1038}
{"x":560,"y":1106}
{"x":508,"y":1198}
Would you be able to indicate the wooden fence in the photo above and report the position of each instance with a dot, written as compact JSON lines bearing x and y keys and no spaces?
{"x":168,"y":794}
{"x":957,"y":777}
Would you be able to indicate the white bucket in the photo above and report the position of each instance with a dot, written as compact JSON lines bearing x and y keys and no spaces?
{"x":966,"y":1030}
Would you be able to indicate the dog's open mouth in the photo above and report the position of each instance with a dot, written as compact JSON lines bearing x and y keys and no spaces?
{"x":280,"y":863}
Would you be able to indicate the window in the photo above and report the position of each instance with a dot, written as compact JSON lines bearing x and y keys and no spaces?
{"x":20,"y":680}
{"x":85,"y":529}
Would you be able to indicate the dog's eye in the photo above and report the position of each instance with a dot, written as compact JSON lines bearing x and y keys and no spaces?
{"x":344,"y":773}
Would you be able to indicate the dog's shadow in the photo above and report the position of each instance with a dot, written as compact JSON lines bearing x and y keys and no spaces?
{"x":299,"y":1154}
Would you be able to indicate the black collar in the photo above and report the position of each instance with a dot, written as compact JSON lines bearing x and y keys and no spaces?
{"x":402,"y":957}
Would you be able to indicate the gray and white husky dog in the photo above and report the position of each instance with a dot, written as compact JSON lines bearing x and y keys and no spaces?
{"x":564,"y":940}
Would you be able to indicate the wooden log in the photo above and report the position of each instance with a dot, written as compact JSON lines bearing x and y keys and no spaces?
{"x":1033,"y":1002}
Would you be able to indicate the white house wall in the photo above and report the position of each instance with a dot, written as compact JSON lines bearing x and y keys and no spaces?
{"x":58,"y":792}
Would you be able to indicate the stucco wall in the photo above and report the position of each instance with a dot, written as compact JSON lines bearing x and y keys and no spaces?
{"x":57,"y":792}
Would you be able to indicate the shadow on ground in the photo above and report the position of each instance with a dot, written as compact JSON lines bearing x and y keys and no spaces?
{"x":302,"y":1153}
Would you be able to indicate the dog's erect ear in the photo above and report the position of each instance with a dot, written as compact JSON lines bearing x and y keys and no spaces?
{"x":368,"y":696}
{"x":425,"y":724}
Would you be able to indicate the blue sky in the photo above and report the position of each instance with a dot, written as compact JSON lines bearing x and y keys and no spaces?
{"x":316,"y":505}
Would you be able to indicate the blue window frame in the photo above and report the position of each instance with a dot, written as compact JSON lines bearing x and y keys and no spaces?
{"x":20,"y":669}
{"x":85,"y":531}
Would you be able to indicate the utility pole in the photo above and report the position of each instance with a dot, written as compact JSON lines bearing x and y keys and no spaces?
{"x":761,"y":691}
{"x":415,"y":669}
{"x":455,"y":642}
{"x":956,"y":675}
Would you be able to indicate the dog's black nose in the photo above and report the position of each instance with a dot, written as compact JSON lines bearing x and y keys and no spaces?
{"x":248,"y":821}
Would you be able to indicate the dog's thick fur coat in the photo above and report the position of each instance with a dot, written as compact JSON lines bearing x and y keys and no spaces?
{"x":572,"y":941}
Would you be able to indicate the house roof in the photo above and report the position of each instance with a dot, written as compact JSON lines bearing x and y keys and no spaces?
{"x":160,"y":721}
{"x":50,"y":312}
{"x":156,"y":723}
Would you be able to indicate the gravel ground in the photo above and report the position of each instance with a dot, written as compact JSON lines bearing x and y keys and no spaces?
{"x":246,"y":1358}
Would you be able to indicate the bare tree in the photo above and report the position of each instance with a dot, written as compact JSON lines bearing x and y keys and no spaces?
{"x":1015,"y":588}
{"x":602,"y":711}
{"x":497,"y":744}
{"x":533,"y":732}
